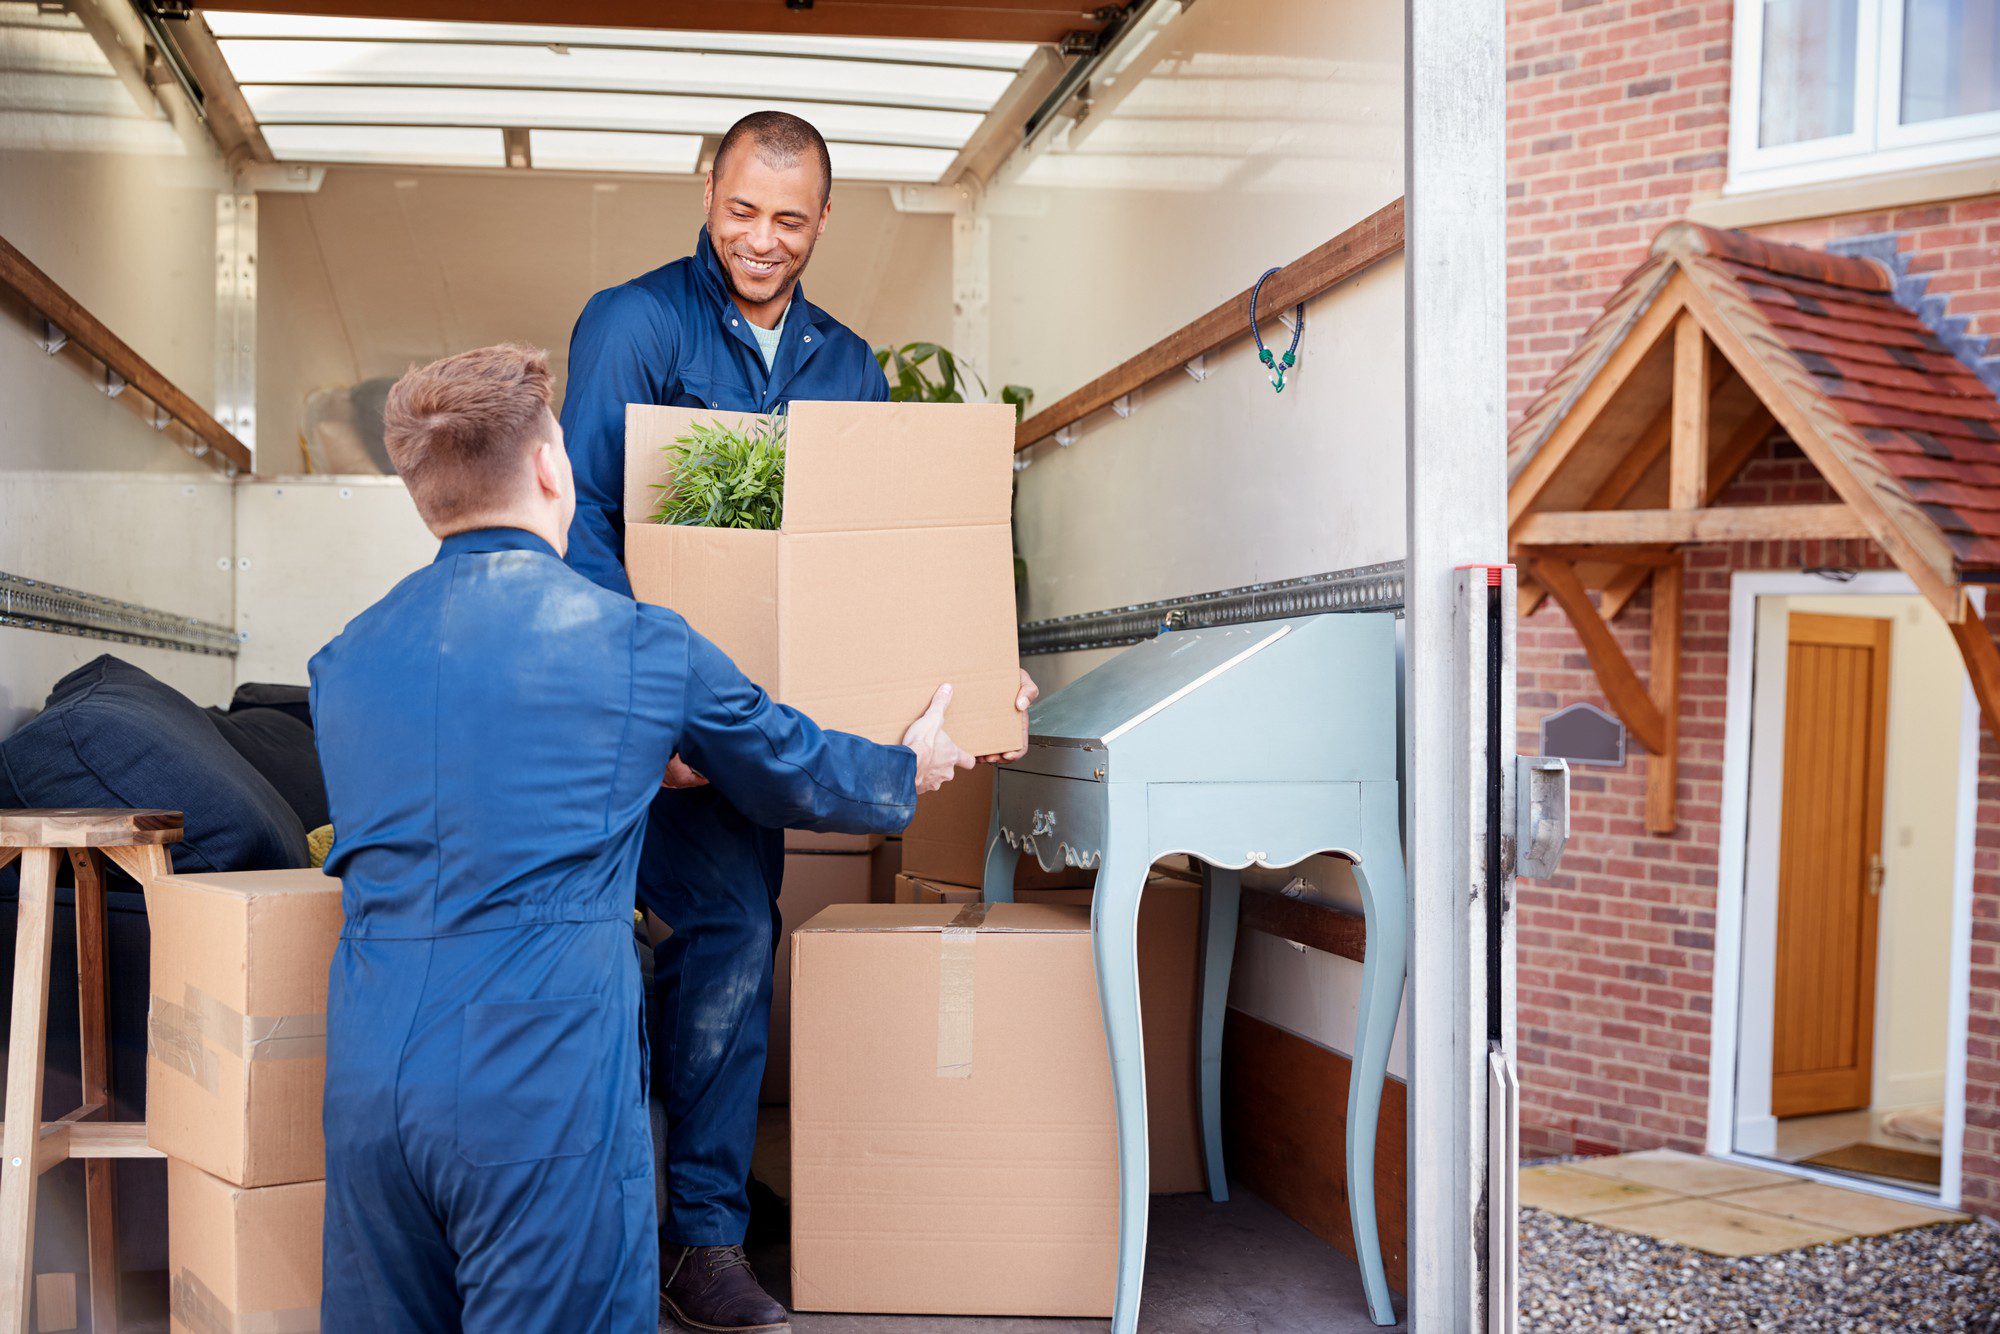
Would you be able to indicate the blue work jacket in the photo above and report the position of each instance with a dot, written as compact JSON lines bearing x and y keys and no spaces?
{"x":675,"y":337}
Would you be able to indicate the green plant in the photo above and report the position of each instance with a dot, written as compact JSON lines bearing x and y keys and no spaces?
{"x":726,"y":476}
{"x":910,"y":382}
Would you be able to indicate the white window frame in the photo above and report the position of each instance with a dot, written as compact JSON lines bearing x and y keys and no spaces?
{"x":1879,"y":143}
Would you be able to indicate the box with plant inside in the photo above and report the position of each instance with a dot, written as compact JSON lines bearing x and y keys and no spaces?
{"x":849,"y":557}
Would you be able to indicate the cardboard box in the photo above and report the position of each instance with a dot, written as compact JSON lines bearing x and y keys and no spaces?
{"x":242,"y":1258}
{"x":953,"y":1145}
{"x":236,"y":1028}
{"x":1169,"y":1013}
{"x":892,"y":570}
{"x":805,"y":840}
{"x":813,"y":881}
{"x":946,"y":839}
{"x":885,"y":862}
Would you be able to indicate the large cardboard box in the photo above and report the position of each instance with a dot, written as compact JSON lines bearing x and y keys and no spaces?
{"x":892,"y":570}
{"x":953,"y":1145}
{"x":236,"y":1028}
{"x":242,"y":1258}
{"x":1169,"y":1013}
{"x":946,"y":839}
{"x":813,"y":881}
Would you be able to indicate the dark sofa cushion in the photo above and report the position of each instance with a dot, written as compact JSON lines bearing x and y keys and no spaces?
{"x":279,"y":747}
{"x":293,"y":700}
{"x":111,"y":735}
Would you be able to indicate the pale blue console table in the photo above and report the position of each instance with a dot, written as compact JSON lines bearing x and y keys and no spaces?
{"x":1257,"y":744}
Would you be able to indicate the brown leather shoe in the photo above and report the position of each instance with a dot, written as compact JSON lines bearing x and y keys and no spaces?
{"x":711,"y":1289}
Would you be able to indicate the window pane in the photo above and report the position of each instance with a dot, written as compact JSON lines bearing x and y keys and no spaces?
{"x":1808,"y":76}
{"x":1951,"y":58}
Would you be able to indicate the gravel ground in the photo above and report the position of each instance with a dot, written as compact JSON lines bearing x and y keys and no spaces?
{"x":1576,"y":1276}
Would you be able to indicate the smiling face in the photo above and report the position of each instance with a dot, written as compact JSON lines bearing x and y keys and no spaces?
{"x":764,"y":217}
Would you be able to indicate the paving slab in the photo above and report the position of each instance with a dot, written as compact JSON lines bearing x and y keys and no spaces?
{"x":1855,"y":1212}
{"x":1680,"y":1173}
{"x":1562,"y":1189}
{"x":1717,"y":1228}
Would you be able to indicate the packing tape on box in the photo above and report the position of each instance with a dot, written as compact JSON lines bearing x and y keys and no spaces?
{"x":186,"y":1036}
{"x":195,"y":1305}
{"x":955,"y":947}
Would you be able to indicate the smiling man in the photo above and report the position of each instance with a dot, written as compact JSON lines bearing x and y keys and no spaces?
{"x":727,"y":328}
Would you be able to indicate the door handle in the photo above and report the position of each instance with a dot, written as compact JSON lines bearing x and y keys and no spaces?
{"x":1875,"y":876}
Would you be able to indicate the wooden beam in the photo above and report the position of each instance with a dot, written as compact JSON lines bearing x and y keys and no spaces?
{"x":1647,"y":557}
{"x":1733,"y":523}
{"x":1735,"y":454}
{"x":1663,"y":768}
{"x":1687,"y":471}
{"x":1374,"y":238}
{"x":1982,"y":662}
{"x":1623,"y":690}
{"x":1636,"y":344}
{"x":40,"y":292}
{"x":1313,"y":925}
{"x":974,"y":20}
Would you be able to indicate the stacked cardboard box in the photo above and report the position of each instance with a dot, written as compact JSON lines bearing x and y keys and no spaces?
{"x":235,"y":1069}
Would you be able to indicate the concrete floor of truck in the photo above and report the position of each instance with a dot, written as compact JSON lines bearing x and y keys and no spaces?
{"x":1235,"y":1268}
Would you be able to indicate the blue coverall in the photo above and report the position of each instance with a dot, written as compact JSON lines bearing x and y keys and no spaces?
{"x":674,"y":336}
{"x":492,"y":733}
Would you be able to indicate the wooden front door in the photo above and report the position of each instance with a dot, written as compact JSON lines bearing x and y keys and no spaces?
{"x":1829,"y":863}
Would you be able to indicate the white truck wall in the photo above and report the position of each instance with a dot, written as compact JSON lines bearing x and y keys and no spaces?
{"x":382,"y":268}
{"x":312,"y":553}
{"x":1253,"y":134}
{"x":115,"y":210}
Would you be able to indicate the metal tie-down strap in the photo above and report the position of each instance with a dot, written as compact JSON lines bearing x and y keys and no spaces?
{"x":30,"y":604}
{"x":1363,"y":588}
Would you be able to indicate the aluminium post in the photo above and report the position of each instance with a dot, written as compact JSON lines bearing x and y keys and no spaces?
{"x":1455,"y":347}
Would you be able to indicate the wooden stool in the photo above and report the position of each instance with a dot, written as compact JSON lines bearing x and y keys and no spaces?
{"x":136,"y":841}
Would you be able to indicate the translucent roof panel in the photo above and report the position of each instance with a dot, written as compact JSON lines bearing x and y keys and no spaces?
{"x":451,"y":146}
{"x":612,"y":150}
{"x":892,"y":109}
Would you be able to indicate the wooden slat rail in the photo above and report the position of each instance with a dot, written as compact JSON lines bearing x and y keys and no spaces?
{"x":1374,"y":238}
{"x":20,"y":276}
{"x":1314,"y":925}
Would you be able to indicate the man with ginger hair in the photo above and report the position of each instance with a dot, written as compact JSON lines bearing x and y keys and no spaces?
{"x":492,"y":734}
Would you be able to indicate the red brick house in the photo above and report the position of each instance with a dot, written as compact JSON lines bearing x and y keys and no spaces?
{"x":1669,"y":994}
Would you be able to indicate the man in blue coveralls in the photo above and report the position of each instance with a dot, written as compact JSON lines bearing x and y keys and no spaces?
{"x":492,"y":734}
{"x":727,"y":328}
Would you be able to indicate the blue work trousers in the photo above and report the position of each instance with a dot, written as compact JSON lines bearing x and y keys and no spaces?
{"x":713,"y":876}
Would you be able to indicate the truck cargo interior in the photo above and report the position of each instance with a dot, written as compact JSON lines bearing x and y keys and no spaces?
{"x":1195,"y":1017}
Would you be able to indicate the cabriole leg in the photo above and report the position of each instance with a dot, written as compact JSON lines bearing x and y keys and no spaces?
{"x":998,"y":885}
{"x":1385,"y":905}
{"x":1221,"y":892}
{"x":1114,"y":932}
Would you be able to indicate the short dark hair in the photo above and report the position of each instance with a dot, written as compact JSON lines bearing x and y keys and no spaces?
{"x":782,"y":139}
{"x":458,"y":430}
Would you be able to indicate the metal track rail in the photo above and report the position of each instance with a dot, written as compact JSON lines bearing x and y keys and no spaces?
{"x":1363,"y":588}
{"x":29,"y":604}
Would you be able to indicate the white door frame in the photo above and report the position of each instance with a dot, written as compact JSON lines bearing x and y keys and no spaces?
{"x":1744,"y":590}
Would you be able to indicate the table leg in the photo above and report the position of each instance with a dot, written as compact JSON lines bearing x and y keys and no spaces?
{"x":25,"y":1052}
{"x":1222,"y":894}
{"x":1386,"y":910}
{"x":1001,"y":859}
{"x":1114,"y":934}
{"x":94,"y":1047}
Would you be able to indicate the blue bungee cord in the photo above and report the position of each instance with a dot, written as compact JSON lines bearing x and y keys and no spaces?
{"x":1277,"y":365}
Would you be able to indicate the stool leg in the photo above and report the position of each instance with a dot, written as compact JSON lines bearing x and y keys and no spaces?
{"x":1386,"y":911}
{"x":19,"y":1171}
{"x":1222,"y":894}
{"x":1114,"y":933}
{"x":95,"y":1048}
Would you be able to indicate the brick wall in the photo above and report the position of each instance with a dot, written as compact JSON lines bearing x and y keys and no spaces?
{"x":1617,"y":122}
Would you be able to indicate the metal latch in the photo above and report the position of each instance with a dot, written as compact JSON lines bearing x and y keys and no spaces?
{"x":1541,"y":814}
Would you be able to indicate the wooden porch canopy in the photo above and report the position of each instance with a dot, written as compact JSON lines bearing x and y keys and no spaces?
{"x":1715,"y":342}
